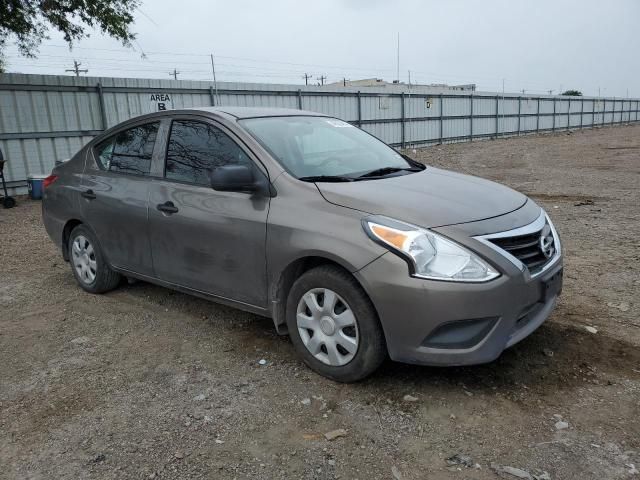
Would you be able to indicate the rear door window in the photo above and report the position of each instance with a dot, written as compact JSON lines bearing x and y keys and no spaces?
{"x":196,"y":148}
{"x":130,"y":151}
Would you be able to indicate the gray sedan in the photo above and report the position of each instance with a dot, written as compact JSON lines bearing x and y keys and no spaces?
{"x":355,"y":251}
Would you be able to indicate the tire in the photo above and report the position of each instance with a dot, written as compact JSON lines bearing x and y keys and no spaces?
{"x":327,"y":311}
{"x":88,"y":264}
{"x":8,"y":202}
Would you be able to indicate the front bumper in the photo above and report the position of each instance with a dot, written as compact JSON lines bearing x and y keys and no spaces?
{"x":430,"y":322}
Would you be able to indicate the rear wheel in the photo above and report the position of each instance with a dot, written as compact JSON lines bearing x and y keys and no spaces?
{"x":88,"y":263}
{"x":334,"y":326}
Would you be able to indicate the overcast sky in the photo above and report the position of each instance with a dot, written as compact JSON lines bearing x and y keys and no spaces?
{"x":536,"y":45}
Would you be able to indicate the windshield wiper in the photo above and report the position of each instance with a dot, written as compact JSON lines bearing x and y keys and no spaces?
{"x":380,"y":172}
{"x":326,"y":178}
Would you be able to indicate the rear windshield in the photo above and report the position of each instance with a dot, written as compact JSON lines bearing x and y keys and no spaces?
{"x":322,"y":146}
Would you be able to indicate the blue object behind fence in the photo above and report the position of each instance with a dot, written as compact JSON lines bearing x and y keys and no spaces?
{"x":34,"y":183}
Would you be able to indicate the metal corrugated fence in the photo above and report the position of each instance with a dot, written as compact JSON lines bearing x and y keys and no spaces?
{"x":47,"y":118}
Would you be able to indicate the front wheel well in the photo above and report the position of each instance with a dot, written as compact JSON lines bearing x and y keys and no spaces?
{"x":280,"y":289}
{"x":66,"y":233}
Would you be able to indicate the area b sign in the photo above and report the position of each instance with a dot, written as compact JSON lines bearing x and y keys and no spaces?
{"x":160,"y":102}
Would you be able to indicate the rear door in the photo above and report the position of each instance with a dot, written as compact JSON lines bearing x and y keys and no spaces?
{"x":203,"y":239}
{"x":115,"y":190}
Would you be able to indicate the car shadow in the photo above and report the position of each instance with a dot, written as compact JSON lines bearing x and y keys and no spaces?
{"x":557,"y":355}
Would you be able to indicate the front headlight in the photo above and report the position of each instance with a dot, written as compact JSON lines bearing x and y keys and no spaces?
{"x":429,"y":255}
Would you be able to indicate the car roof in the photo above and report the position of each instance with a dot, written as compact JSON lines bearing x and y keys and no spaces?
{"x":253,"y":112}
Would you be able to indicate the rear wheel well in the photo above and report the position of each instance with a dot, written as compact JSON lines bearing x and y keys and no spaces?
{"x":66,"y":233}
{"x":280,"y":290}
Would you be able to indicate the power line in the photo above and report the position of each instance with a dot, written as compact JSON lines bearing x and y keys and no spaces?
{"x":229,"y":57}
{"x":275,"y":68}
{"x":376,"y":70}
{"x":433,"y":76}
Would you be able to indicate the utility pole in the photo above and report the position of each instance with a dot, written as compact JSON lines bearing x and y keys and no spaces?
{"x":550,"y":92}
{"x":76,"y":69}
{"x":409,"y":71}
{"x":322,"y":79}
{"x":306,"y":77}
{"x":215,"y":83}
{"x":398,"y":60}
{"x":344,"y":81}
{"x":174,"y":74}
{"x":523,"y":91}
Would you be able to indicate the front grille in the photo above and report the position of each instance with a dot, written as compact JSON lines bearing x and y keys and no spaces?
{"x":530,"y":248}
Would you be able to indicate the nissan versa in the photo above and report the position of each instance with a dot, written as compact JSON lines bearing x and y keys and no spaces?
{"x":356,"y":251}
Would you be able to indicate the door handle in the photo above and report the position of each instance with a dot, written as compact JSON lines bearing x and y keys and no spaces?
{"x":167,"y":207}
{"x":89,"y":195}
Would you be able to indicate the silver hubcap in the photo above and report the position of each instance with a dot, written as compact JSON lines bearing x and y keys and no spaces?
{"x":327,"y":327}
{"x":84,"y":259}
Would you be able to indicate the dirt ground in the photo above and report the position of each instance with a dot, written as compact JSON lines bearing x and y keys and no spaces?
{"x":147,"y":383}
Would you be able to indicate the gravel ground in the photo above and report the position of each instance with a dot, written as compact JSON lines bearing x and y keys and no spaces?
{"x":148,"y":383}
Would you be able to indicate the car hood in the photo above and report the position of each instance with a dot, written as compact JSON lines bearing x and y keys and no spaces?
{"x":430,"y":198}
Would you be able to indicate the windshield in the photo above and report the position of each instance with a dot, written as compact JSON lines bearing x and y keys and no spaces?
{"x":313,"y":147}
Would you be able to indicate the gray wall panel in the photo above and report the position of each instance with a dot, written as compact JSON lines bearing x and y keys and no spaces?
{"x":44,"y":118}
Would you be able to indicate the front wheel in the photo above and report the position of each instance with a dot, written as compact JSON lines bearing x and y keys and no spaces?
{"x":334,"y":326}
{"x":88,"y":264}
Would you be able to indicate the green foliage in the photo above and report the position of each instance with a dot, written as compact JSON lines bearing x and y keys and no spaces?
{"x":573,"y":93}
{"x":28,"y":21}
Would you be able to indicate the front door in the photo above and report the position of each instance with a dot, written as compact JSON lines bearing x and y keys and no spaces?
{"x":115,"y":189}
{"x":203,"y":239}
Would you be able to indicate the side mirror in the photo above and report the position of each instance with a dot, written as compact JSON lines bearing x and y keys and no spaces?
{"x":233,"y":178}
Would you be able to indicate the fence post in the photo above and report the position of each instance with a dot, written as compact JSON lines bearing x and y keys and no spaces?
{"x":569,"y":116}
{"x":497,"y":110}
{"x":553,"y":128}
{"x":441,"y":124}
{"x":621,"y":110}
{"x":359,"y":109}
{"x":519,"y":112}
{"x":471,"y":118}
{"x":581,"y":111}
{"x":402,"y":124}
{"x":103,"y":110}
{"x":299,"y":99}
{"x":212,"y":96}
{"x":613,"y":111}
{"x":538,"y":117}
